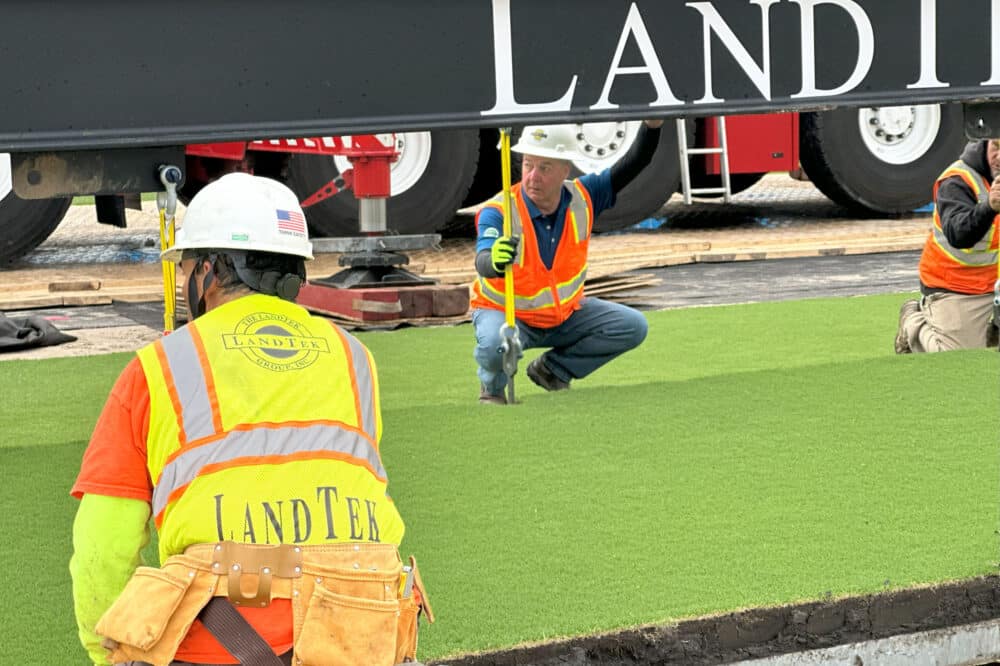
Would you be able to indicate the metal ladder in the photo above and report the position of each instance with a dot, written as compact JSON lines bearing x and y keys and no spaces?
{"x":686,"y":153}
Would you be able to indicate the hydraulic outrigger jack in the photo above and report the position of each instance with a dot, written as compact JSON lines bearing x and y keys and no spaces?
{"x":373,"y":259}
{"x":373,"y":285}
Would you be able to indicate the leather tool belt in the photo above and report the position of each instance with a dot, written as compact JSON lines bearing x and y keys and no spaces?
{"x":352,"y":604}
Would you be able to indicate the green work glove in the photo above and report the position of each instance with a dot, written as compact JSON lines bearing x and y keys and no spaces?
{"x":503,"y":252}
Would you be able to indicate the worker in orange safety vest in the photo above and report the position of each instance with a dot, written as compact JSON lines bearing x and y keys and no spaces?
{"x":552,"y":218}
{"x":958,"y":265}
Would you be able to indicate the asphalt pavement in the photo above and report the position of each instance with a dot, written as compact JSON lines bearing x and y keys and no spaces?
{"x":779,"y":280}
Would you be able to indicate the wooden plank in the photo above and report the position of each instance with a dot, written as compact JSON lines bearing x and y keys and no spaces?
{"x":75,"y":285}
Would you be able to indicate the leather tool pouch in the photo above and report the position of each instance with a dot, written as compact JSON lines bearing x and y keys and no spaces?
{"x":361,"y":616}
{"x":151,"y":616}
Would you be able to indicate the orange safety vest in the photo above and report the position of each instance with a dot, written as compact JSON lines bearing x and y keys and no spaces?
{"x":963,"y":270}
{"x":543,"y":297}
{"x":264,"y":428}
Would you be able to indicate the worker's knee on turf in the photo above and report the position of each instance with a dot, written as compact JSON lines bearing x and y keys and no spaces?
{"x":489,"y":358}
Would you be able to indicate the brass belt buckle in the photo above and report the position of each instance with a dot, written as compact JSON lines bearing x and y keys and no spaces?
{"x":236,"y":559}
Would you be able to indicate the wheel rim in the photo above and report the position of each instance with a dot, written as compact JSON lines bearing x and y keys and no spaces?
{"x":6,"y":180}
{"x":899,"y":134}
{"x":414,"y":155}
{"x":603,"y":144}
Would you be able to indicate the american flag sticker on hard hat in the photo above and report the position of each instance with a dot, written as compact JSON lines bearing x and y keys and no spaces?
{"x":291,"y":222}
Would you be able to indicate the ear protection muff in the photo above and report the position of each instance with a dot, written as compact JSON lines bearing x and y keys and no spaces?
{"x":285,"y":286}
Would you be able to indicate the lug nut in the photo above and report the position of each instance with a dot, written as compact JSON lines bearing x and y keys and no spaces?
{"x":879,"y":133}
{"x":613,"y":146}
{"x":873,"y":121}
{"x":581,"y":136}
{"x":588,"y":148}
{"x":600,"y":151}
{"x":620,"y":134}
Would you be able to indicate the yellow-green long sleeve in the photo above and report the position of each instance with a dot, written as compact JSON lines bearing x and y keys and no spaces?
{"x":109,"y":534}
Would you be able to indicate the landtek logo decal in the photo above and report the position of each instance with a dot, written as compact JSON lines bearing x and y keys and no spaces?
{"x":275,"y":342}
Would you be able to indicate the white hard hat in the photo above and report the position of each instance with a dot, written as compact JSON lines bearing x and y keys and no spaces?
{"x":243,"y":212}
{"x":558,"y":141}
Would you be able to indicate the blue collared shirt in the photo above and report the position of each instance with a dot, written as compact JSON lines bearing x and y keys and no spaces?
{"x":548,"y":228}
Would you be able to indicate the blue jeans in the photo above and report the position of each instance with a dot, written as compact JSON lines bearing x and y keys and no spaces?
{"x":593,"y":335}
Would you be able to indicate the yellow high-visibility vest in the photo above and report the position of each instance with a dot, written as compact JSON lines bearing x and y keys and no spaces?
{"x":264,"y":428}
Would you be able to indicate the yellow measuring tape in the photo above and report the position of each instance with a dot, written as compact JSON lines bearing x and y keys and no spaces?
{"x":169,"y":271}
{"x":508,"y":280}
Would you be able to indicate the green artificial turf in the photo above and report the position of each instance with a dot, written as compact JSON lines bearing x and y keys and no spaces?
{"x":744,"y":455}
{"x":87,"y":199}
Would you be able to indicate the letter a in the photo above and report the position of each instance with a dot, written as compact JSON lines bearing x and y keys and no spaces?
{"x":635,"y":26}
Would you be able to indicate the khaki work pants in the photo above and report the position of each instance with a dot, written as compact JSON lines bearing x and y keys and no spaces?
{"x":947,"y":321}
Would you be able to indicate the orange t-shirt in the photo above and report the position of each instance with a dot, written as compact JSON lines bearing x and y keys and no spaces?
{"x":114,"y":464}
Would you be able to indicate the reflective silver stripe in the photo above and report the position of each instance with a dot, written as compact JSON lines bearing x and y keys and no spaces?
{"x":979,"y":254}
{"x":541,"y":300}
{"x":237,"y":444}
{"x":365,"y":385}
{"x":515,"y":224}
{"x":578,"y":205}
{"x":982,"y":191}
{"x":566,"y":291}
{"x":189,"y":379}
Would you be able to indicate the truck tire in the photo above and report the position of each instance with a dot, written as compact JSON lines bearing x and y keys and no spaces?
{"x":880,"y":160}
{"x":486,"y":182}
{"x":429,"y":182}
{"x":488,"y":179}
{"x":608,"y":143}
{"x":24,"y":224}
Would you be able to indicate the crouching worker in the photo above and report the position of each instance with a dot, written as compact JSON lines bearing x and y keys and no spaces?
{"x":251,"y":437}
{"x":958,"y":266}
{"x":551,"y":222}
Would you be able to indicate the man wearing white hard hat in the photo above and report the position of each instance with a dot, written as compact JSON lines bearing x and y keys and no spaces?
{"x":552,"y":217}
{"x":251,"y":437}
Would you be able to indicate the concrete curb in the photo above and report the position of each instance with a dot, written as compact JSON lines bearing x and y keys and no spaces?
{"x":953,"y":646}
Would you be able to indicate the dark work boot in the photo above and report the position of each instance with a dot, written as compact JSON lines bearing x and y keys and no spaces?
{"x":539,"y":373}
{"x":487,"y":398}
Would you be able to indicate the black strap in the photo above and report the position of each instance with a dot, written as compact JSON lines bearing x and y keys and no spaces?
{"x":236,"y":635}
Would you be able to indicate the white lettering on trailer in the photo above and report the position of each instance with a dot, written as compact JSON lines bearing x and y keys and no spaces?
{"x":994,"y":79}
{"x":713,"y":22}
{"x":503,"y":59}
{"x":635,"y":26}
{"x":928,"y":47}
{"x":866,"y":47}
